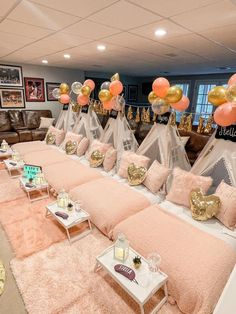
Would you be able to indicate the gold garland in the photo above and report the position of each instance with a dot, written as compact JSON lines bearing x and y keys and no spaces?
{"x":200,"y":127}
{"x":137,"y":117}
{"x":208,"y":127}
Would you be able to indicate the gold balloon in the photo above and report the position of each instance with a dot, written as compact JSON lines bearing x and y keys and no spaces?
{"x":203,"y":207}
{"x":85,"y":90}
{"x":104,"y":95}
{"x":231,"y":93}
{"x":217,"y":96}
{"x":64,"y":88}
{"x":174,"y":94}
{"x":71,"y":147}
{"x":136,"y":175}
{"x":50,"y":139}
{"x":160,"y":106}
{"x":96,"y":159}
{"x":152,"y":97}
{"x":115,"y":77}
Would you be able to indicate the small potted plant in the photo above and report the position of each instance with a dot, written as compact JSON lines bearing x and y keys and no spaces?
{"x":137,"y":262}
{"x":70,"y":207}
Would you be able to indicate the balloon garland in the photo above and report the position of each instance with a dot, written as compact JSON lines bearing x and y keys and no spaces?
{"x":225,"y":101}
{"x":110,"y":92}
{"x":82,"y":91}
{"x":163,"y":96}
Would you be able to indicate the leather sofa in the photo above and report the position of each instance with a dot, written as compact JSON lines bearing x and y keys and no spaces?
{"x":22,"y":125}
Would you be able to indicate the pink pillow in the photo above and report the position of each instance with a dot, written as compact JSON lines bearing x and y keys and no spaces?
{"x":97,"y":145}
{"x":110,"y":159}
{"x":227,"y":195}
{"x":70,"y":136}
{"x":129,"y":157}
{"x":82,"y":147}
{"x":183,"y":183}
{"x":156,"y":176}
{"x":60,"y":134}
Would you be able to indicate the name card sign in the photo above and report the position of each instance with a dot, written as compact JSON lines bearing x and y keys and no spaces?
{"x":85,"y":109}
{"x":30,"y":171}
{"x":113,"y":114}
{"x":163,"y":119}
{"x":226,"y":133}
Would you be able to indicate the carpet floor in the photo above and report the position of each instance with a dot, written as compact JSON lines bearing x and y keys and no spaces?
{"x":61,"y":279}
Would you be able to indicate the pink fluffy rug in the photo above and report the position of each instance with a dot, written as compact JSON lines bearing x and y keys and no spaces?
{"x":28,"y":229}
{"x":10,"y":190}
{"x":61,"y":279}
{"x":4,"y":176}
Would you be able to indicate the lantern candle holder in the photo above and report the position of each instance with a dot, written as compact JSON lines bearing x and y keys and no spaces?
{"x":16,"y":156}
{"x":63,"y":199}
{"x":4,"y":145}
{"x":121,"y":248}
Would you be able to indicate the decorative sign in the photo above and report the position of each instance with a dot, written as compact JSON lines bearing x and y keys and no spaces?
{"x":30,"y":171}
{"x":227,"y":133}
{"x":113,"y":114}
{"x":85,"y":109}
{"x":164,"y":118}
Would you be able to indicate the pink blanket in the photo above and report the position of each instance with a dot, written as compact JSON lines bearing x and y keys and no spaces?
{"x":197,"y":264}
{"x":45,"y":157}
{"x":68,"y":174}
{"x":108,"y":202}
{"x":28,"y":147}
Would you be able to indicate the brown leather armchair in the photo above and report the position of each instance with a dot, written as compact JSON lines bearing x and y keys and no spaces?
{"x":22,"y":126}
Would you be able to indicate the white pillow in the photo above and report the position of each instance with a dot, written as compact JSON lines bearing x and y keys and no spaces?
{"x":45,"y":123}
{"x":184,"y":139}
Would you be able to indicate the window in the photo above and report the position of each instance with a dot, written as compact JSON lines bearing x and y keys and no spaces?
{"x":201,"y":105}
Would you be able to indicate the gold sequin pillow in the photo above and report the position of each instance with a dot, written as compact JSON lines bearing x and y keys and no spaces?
{"x":136,"y":174}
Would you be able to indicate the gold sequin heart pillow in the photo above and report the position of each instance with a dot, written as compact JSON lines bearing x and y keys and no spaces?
{"x":96,"y":159}
{"x":136,"y":174}
{"x":50,"y":139}
{"x":71,"y":147}
{"x":203,"y":207}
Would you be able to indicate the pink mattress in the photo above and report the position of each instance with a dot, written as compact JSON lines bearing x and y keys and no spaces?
{"x":28,"y":147}
{"x":69,"y":174}
{"x":45,"y":157}
{"x":109,"y":202}
{"x":197,"y":264}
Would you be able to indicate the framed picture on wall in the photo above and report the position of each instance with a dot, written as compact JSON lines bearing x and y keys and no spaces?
{"x":34,"y":89}
{"x":132,"y":92}
{"x":10,"y":76}
{"x":49,"y":88}
{"x":12,"y":98}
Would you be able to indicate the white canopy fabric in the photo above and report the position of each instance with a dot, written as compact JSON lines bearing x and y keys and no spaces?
{"x":118,"y":133}
{"x":88,"y":125}
{"x":218,"y":160}
{"x":164,"y":144}
{"x":66,"y":119}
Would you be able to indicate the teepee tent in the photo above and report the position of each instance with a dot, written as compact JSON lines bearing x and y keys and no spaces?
{"x":218,"y":160}
{"x":118,"y":133}
{"x":164,"y":144}
{"x":88,"y":125}
{"x":66,"y":119}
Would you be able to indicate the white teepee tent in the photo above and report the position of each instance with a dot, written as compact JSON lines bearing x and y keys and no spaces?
{"x":88,"y":125}
{"x":118,"y":133}
{"x":66,"y":119}
{"x":164,"y":144}
{"x":218,"y":160}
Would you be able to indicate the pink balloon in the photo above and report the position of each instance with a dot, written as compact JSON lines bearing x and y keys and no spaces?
{"x":107,"y":105}
{"x":232,"y":80}
{"x":90,"y":83}
{"x":116,"y":87}
{"x":181,"y":105}
{"x":64,"y":99}
{"x":225,"y":114}
{"x":82,"y":100}
{"x":160,"y":86}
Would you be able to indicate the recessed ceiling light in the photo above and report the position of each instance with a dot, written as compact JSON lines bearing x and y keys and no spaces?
{"x":101,"y":47}
{"x":160,"y":32}
{"x":45,"y":61}
{"x":66,"y":56}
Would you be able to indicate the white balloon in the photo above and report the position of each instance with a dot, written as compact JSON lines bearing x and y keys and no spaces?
{"x":76,"y":87}
{"x":56,"y":93}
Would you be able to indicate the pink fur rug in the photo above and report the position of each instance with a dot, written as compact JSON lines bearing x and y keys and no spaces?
{"x":4,"y":176}
{"x":10,"y":190}
{"x":28,"y":229}
{"x":61,"y":279}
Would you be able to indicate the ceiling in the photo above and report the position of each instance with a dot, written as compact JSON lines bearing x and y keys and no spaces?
{"x":201,"y":35}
